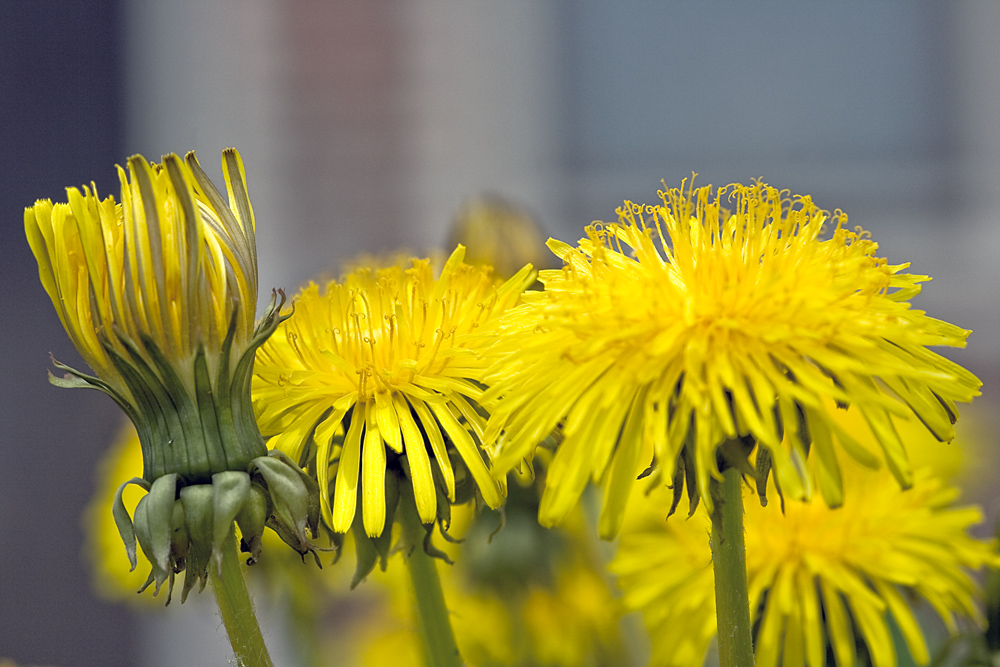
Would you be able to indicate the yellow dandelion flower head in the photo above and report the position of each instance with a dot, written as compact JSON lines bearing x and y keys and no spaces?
{"x":686,"y":325}
{"x":382,"y":370}
{"x":172,"y":264}
{"x":819,"y":578}
{"x":158,"y":293}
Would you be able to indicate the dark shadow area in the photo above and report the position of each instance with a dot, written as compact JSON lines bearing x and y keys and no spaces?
{"x":60,"y":124}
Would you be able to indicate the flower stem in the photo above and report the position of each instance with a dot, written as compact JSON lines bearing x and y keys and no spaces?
{"x":732,"y":602}
{"x":237,"y":609}
{"x":440,"y":649}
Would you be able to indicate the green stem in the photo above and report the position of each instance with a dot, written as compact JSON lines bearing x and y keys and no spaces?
{"x":440,"y":649}
{"x":732,"y":602}
{"x":237,"y":609}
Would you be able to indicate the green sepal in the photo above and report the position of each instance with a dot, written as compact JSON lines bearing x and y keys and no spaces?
{"x":763,"y":465}
{"x":313,"y":515}
{"x":180,"y":540}
{"x":290,"y":501}
{"x":270,"y":320}
{"x":223,"y":389}
{"x":159,"y":511}
{"x":685,"y":477}
{"x":157,"y":574}
{"x":443,"y":522}
{"x":432,"y":550}
{"x":160,"y":418}
{"x":230,"y":491}
{"x":251,"y":519}
{"x":691,"y":479}
{"x":232,"y":398}
{"x":443,"y":506}
{"x":124,"y":522}
{"x":198,"y":504}
{"x":179,"y":404}
{"x":676,"y":486}
{"x":459,"y":540}
{"x":74,"y":379}
{"x":803,"y":433}
{"x":214,"y":444}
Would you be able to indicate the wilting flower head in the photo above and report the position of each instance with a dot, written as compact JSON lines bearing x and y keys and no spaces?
{"x":820,"y":579}
{"x":381,"y":372}
{"x":158,"y":293}
{"x":685,"y":328}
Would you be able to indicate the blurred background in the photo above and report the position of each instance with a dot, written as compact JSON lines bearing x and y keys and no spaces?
{"x":365,"y":125}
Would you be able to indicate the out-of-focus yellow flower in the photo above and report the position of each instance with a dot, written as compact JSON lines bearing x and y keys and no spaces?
{"x":159,"y":293}
{"x":819,"y":578}
{"x":498,"y":233}
{"x":532,"y":597}
{"x":4,"y":662}
{"x":684,"y":327}
{"x":381,"y":373}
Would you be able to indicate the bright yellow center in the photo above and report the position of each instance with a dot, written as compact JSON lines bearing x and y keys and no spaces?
{"x":384,"y":330}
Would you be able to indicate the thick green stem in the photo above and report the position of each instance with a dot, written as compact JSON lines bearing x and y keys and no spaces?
{"x":440,"y":649}
{"x":732,"y":603}
{"x":237,"y":609}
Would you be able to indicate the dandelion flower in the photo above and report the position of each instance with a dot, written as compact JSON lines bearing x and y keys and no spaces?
{"x":685,"y":328}
{"x":819,"y":578}
{"x":158,"y":293}
{"x":381,"y":373}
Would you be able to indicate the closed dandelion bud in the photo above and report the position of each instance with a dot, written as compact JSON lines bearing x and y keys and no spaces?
{"x":158,"y":293}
